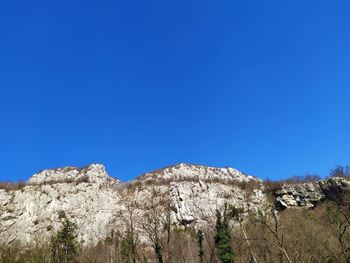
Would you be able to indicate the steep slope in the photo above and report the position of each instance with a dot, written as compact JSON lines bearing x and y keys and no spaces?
{"x":195,"y":191}
{"x":36,"y":211}
{"x":99,"y":204}
{"x":182,"y":195}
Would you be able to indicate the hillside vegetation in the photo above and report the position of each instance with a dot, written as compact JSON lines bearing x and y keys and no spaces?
{"x":318,"y":234}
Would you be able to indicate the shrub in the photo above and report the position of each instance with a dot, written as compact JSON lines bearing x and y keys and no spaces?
{"x":340,"y":171}
{"x":61,"y":214}
{"x":12,"y":186}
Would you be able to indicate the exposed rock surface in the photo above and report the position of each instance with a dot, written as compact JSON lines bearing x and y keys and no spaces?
{"x":100,"y":204}
{"x":192,"y":172}
{"x":36,"y":211}
{"x":309,"y":194}
{"x":94,"y":173}
{"x":196,"y":191}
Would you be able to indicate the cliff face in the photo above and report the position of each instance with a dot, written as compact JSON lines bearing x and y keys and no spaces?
{"x":195,"y":192}
{"x":83,"y":195}
{"x":99,"y":204}
{"x":309,"y":194}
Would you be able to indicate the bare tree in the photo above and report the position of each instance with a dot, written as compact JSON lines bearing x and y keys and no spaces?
{"x":272,"y":225}
{"x":155,"y":220}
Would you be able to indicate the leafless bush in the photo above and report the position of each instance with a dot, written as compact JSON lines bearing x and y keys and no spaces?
{"x":308,"y":178}
{"x":16,"y":253}
{"x":249,"y":186}
{"x":83,"y":179}
{"x":272,"y":186}
{"x":340,"y":171}
{"x":12,"y":186}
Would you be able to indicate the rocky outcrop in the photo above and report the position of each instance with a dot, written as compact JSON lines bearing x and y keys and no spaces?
{"x":309,"y":194}
{"x":99,"y":204}
{"x":95,"y":173}
{"x":190,"y":172}
{"x":184,"y":195}
{"x":195,"y":192}
{"x":36,"y":211}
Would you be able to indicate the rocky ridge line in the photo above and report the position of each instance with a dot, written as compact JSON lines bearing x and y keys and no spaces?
{"x":99,"y":204}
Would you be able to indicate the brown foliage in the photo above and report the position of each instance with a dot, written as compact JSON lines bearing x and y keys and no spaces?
{"x":83,"y":179}
{"x":341,"y":171}
{"x":12,"y":186}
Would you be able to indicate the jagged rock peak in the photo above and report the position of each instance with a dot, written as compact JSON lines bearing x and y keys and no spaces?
{"x":183,"y":171}
{"x":93,"y":173}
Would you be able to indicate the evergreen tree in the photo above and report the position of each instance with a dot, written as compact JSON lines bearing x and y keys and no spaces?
{"x":200,"y":244}
{"x":222,"y":237}
{"x":64,"y":245}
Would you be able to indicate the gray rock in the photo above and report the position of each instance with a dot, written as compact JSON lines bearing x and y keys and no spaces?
{"x":98,"y":203}
{"x":309,"y":194}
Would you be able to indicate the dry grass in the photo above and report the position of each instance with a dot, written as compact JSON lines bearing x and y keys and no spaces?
{"x":248,"y":186}
{"x":83,"y":179}
{"x":15,"y":186}
{"x":12,"y":186}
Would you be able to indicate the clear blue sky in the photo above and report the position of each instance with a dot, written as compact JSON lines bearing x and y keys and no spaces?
{"x":262,"y":86}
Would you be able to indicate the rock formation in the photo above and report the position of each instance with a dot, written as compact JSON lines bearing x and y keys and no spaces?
{"x":187,"y":195}
{"x":309,"y":194}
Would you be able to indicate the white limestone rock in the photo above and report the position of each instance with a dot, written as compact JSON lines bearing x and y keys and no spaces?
{"x":309,"y":194}
{"x":192,"y":172}
{"x":95,"y":173}
{"x":98,"y":203}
